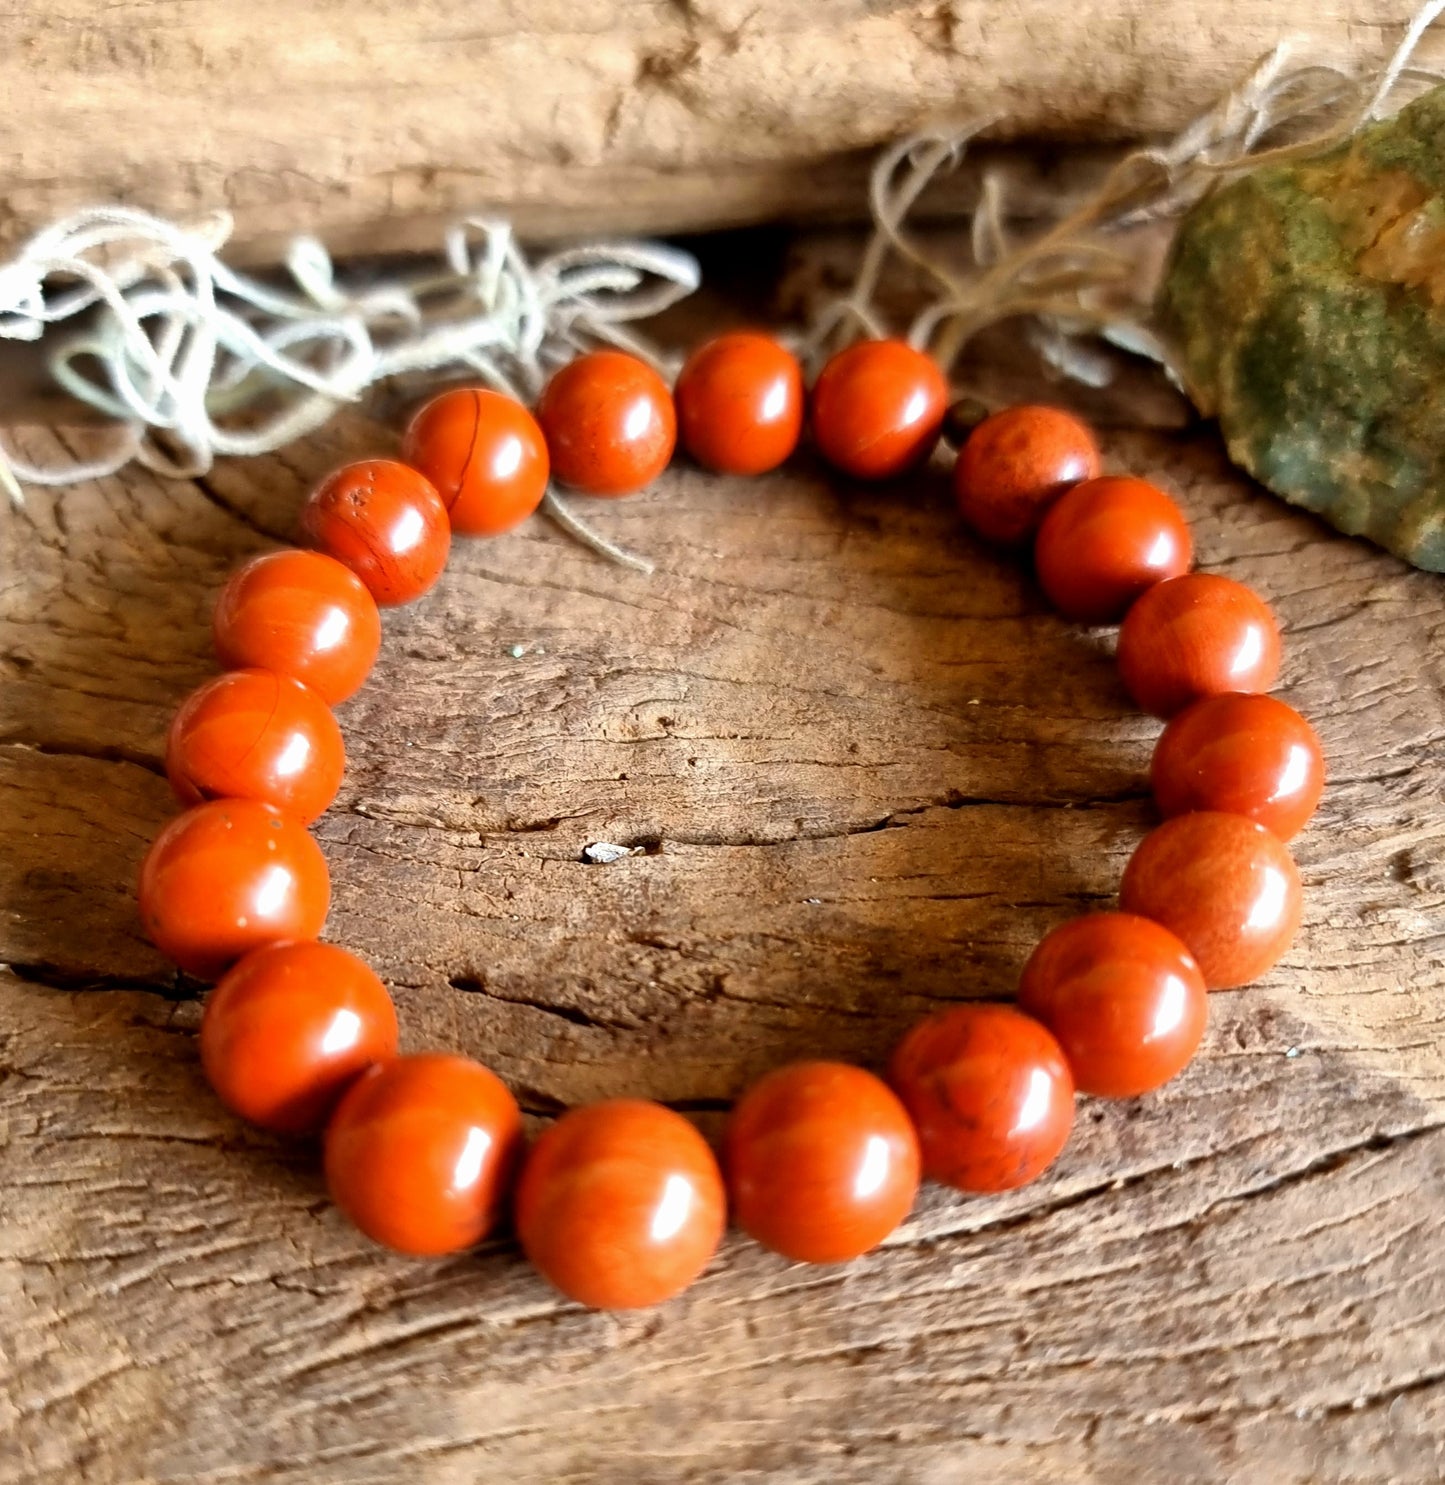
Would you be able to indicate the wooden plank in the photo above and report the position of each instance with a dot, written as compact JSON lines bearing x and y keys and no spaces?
{"x":867,"y":770}
{"x":373,"y":124}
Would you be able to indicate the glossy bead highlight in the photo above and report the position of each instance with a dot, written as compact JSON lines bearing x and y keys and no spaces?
{"x":484,"y":453}
{"x":1240,"y":755}
{"x":421,"y":1152}
{"x":1197,"y":635}
{"x":878,"y":409}
{"x":620,"y":1204}
{"x":384,"y":521}
{"x":1105,"y":542}
{"x":288,"y":1030}
{"x":822,"y":1161}
{"x":1015,"y":464}
{"x":225,"y":878}
{"x":1225,"y":886}
{"x":990,"y":1094}
{"x":1123,"y":996}
{"x":253,"y":734}
{"x":301,"y":614}
{"x":609,"y":422}
{"x":740,"y":403}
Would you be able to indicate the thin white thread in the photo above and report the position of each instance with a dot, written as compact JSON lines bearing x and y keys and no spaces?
{"x":576,"y":527}
{"x":1070,"y":277}
{"x":218,"y":362}
{"x":1425,"y":17}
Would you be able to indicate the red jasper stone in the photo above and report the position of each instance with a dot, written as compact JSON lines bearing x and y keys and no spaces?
{"x":421,"y":1151}
{"x":878,"y":409}
{"x":1224,"y":885}
{"x":1105,"y":542}
{"x":301,"y":614}
{"x":253,"y":734}
{"x":990,"y":1094}
{"x":1124,"y":998}
{"x":289,"y":1029}
{"x":821,"y":1161}
{"x":740,"y":403}
{"x":620,"y":1204}
{"x":484,"y":453}
{"x":1015,"y":464}
{"x":386,"y":522}
{"x":225,"y":878}
{"x":1240,"y":755}
{"x":1197,"y":635}
{"x":609,"y":422}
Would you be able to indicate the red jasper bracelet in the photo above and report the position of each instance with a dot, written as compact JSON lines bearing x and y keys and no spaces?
{"x":623,"y":1203}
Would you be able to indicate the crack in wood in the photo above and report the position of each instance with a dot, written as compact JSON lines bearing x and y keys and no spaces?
{"x":473,"y":983}
{"x":96,"y":752}
{"x":1324,"y":1164}
{"x":174,"y":986}
{"x":205,"y":486}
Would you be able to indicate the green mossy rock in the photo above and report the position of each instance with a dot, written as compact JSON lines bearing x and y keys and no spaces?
{"x":1306,"y":305}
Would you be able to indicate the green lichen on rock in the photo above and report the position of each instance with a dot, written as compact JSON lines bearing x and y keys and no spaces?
{"x":1306,"y":303}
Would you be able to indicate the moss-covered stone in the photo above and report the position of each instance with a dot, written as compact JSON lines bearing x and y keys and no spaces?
{"x":1307,"y":305}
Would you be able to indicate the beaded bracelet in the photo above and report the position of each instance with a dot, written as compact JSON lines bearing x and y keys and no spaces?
{"x":622,"y":1203}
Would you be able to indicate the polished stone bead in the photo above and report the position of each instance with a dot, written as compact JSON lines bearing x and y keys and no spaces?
{"x":878,"y":409}
{"x":1240,"y":754}
{"x":989,"y":1092}
{"x":421,"y":1152}
{"x":1105,"y":542}
{"x":821,"y":1160}
{"x":301,"y":614}
{"x":1123,"y":996}
{"x":620,"y":1204}
{"x":1015,"y":464}
{"x":225,"y":878}
{"x":386,"y":522}
{"x":1197,"y":635}
{"x":254,"y":734}
{"x":609,"y":422}
{"x":740,"y":403}
{"x":290,"y":1028}
{"x":485,"y":455}
{"x":1226,"y":886}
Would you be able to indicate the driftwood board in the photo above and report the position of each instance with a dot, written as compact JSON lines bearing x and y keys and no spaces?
{"x":866,"y":770}
{"x":376,"y":122}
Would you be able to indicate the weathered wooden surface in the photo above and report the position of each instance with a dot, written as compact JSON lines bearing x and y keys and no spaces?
{"x":373,"y":123}
{"x":866,"y":771}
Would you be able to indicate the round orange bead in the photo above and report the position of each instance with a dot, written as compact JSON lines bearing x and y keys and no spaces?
{"x":990,"y":1094}
{"x":301,"y":614}
{"x":1197,"y":635}
{"x":1104,"y":542}
{"x":225,"y":878}
{"x":620,"y":1204}
{"x":421,"y":1151}
{"x":740,"y":403}
{"x":253,"y":734}
{"x":1124,"y":998}
{"x":1241,"y":755}
{"x":1015,"y":464}
{"x":1225,"y":886}
{"x":386,"y":522}
{"x":289,"y":1028}
{"x":878,"y":408}
{"x":609,"y":422}
{"x":821,"y":1160}
{"x":486,"y":456}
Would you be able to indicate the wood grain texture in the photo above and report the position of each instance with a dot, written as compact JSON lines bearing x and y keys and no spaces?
{"x":864,"y":770}
{"x":375,"y":123}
